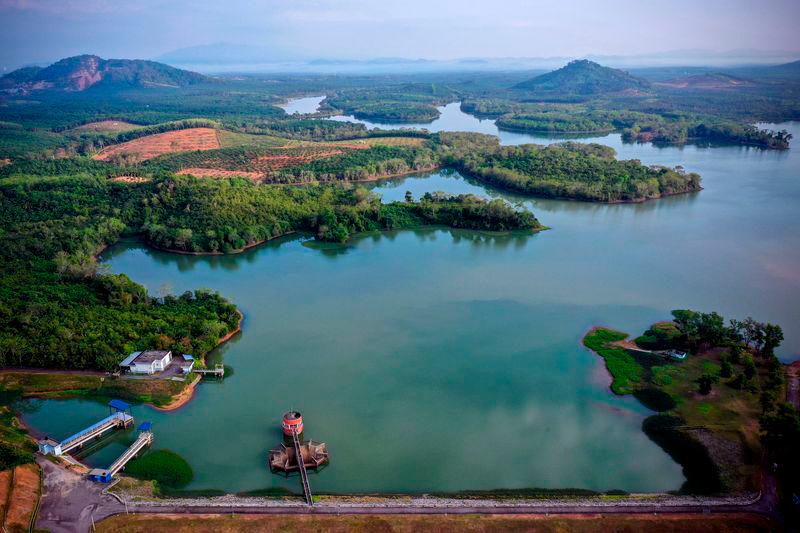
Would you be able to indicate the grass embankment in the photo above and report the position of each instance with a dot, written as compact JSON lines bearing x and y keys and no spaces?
{"x":719,"y":523}
{"x":71,"y":385}
{"x":714,"y":437}
{"x":15,"y":446}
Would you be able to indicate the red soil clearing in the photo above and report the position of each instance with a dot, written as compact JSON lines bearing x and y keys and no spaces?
{"x":152,"y":146}
{"x":24,"y":495}
{"x":275,"y":162}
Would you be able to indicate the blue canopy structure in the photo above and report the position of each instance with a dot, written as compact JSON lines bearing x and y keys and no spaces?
{"x":119,"y":405}
{"x":145,"y":426}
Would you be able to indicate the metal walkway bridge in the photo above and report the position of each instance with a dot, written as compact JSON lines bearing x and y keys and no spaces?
{"x":302,"y":465}
{"x":119,"y":418}
{"x":144,"y":439}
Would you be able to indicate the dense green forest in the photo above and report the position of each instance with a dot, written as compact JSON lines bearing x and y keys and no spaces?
{"x":57,"y":309}
{"x":567,"y":170}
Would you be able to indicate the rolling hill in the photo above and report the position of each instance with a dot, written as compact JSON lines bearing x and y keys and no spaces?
{"x":584,"y":77}
{"x":79,"y":73}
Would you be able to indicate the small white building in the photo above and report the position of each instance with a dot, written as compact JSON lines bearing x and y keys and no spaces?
{"x":187,"y":363}
{"x":147,"y":362}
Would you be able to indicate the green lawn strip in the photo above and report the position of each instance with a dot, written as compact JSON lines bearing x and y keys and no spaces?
{"x":625,"y":370}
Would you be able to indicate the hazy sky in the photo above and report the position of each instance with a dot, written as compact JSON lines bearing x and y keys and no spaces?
{"x":43,"y":30}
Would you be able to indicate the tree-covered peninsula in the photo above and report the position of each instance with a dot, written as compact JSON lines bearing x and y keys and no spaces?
{"x":719,"y":392}
{"x":577,"y":171}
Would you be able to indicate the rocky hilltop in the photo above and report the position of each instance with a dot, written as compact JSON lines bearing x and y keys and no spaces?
{"x":79,"y":73}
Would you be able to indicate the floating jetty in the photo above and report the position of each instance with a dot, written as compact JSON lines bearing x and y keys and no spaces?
{"x":144,"y":439}
{"x":120,"y":417}
{"x":299,"y":456}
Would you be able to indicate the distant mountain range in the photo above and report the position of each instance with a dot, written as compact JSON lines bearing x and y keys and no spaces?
{"x":584,"y":77}
{"x":228,"y":57}
{"x":79,"y":73}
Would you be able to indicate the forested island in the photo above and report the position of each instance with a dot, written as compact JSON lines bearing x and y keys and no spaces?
{"x":719,"y":391}
{"x":577,"y":171}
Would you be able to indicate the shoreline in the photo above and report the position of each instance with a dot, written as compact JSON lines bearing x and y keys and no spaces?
{"x":187,"y":394}
{"x":233,"y":252}
{"x":483,"y":181}
{"x":177,"y":401}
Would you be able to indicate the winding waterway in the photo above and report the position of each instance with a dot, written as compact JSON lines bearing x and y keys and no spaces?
{"x":442,"y":360}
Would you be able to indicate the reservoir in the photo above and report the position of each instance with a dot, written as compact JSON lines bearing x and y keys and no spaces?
{"x":445,"y":360}
{"x":307,"y":104}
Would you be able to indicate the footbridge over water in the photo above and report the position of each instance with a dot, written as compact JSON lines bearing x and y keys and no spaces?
{"x":299,"y":456}
{"x":120,"y":417}
{"x":144,"y":439}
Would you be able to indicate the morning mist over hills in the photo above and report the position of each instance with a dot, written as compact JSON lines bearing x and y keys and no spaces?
{"x":227,"y":57}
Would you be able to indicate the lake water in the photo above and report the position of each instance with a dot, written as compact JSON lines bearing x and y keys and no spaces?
{"x":307,"y":104}
{"x":451,"y":118}
{"x":441,"y":360}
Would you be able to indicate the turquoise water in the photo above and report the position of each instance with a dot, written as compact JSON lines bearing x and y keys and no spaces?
{"x":444,"y":360}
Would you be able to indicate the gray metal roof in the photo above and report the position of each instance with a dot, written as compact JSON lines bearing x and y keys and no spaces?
{"x":128,"y":360}
{"x":148,"y":356}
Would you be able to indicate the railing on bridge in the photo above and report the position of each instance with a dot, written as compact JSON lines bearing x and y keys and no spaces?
{"x":118,"y":418}
{"x":144,"y":439}
{"x":302,"y":466}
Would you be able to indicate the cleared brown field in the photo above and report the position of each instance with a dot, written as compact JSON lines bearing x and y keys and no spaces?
{"x":670,"y":523}
{"x":5,"y":492}
{"x":256,"y":167}
{"x":217,"y":173}
{"x":169,"y":142}
{"x":24,"y":496}
{"x":107,"y":126}
{"x":276,"y":162}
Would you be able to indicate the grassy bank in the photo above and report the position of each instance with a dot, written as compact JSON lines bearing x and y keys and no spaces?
{"x":71,"y":385}
{"x":713,"y":436}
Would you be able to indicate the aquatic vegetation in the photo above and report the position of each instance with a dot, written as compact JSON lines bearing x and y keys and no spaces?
{"x":165,"y":467}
